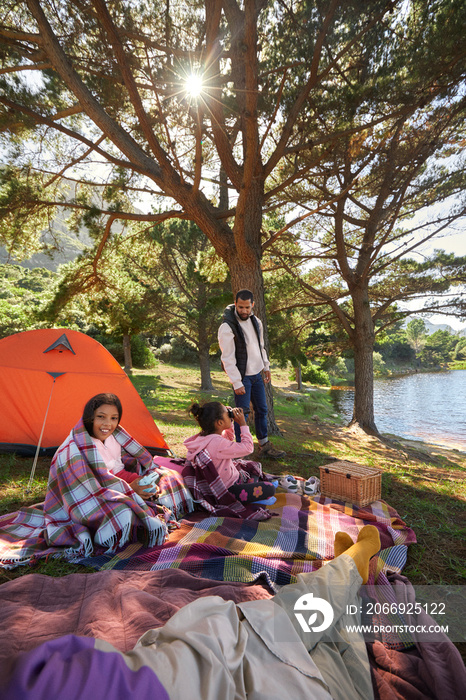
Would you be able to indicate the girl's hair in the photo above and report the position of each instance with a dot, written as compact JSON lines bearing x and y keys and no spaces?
{"x":93,"y":404}
{"x":207,"y":414}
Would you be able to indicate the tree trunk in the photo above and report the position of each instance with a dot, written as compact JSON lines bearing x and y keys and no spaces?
{"x":204,"y":364}
{"x":363,"y":345}
{"x":127,"y":353}
{"x":223,"y":190}
{"x":203,"y":335}
{"x":299,"y":376}
{"x":204,"y":360}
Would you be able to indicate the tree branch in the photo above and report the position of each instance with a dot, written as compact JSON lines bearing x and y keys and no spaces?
{"x":105,"y":19}
{"x":339,"y":313}
{"x":124,"y":142}
{"x":47,"y":121}
{"x":213,"y":105}
{"x":19,"y":69}
{"x":295,"y":221}
{"x":302,"y":97}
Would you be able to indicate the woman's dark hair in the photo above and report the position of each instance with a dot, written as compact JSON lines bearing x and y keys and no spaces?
{"x":207,"y":414}
{"x":93,"y":404}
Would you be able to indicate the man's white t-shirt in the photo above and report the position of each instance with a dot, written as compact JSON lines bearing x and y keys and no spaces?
{"x":257,"y":356}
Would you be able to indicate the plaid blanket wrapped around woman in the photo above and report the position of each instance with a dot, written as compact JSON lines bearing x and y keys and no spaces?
{"x":87,"y":507}
{"x":209,"y":492}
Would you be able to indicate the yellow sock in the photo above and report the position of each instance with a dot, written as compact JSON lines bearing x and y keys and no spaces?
{"x":342,"y":542}
{"x":367,"y":545}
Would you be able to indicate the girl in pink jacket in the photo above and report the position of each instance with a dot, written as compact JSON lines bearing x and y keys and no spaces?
{"x":217,"y":438}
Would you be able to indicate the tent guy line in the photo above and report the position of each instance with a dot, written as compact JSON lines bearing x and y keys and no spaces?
{"x":55,"y":376}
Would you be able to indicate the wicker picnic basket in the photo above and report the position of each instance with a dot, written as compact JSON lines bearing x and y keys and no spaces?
{"x":350,"y":482}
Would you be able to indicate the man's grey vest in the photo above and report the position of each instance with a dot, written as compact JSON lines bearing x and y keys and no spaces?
{"x":241,"y":350}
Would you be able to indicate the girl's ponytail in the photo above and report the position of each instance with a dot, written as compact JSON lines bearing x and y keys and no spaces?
{"x":207,"y":415}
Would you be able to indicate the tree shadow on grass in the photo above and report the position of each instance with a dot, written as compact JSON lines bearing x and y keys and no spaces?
{"x":438,"y":522}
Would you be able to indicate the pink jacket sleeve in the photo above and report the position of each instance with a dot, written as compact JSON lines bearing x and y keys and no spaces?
{"x":230,"y":450}
{"x":229,"y":434}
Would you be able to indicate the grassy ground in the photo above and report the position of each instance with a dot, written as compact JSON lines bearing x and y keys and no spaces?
{"x":425,"y":483}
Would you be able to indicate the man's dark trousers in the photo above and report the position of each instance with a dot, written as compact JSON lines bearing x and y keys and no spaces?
{"x":255,"y":393}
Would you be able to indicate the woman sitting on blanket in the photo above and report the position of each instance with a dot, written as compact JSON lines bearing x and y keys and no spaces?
{"x":90,"y":505}
{"x":218,"y":439}
{"x":101,"y":417}
{"x":92,"y":498}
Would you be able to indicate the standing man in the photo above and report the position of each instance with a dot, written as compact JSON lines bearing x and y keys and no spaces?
{"x":241,"y":340}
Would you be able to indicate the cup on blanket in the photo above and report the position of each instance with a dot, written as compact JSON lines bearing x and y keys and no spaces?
{"x":149,"y":480}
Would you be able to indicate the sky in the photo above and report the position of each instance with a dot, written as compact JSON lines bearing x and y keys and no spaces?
{"x":453,"y":243}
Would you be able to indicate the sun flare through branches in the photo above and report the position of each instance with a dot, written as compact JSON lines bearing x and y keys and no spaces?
{"x":194,"y":85}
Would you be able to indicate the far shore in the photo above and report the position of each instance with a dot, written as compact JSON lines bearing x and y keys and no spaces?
{"x":402,"y":372}
{"x":429,"y":447}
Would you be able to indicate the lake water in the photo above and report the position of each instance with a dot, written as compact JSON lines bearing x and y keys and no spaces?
{"x":430,"y":407}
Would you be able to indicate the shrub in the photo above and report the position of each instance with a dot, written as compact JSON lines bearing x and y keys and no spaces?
{"x":460,"y":350}
{"x":334,"y":366}
{"x":177,"y":350}
{"x":141,"y":354}
{"x":115,"y":347}
{"x":379,"y":364}
{"x":314,"y":375}
{"x":163,"y":352}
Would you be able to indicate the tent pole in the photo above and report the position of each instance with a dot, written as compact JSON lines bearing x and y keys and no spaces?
{"x":33,"y":469}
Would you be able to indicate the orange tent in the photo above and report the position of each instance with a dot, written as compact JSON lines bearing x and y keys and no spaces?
{"x":47,"y":376}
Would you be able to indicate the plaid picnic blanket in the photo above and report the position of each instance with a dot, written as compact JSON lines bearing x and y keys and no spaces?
{"x":86,"y":507}
{"x":297,"y":540}
{"x":210,"y":493}
{"x":173,"y":493}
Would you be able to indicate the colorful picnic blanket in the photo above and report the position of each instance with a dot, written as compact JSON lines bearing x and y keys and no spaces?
{"x":297,"y":540}
{"x":86,"y":508}
{"x":210,"y":493}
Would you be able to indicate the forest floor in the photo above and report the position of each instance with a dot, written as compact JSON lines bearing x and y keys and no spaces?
{"x":425,"y":483}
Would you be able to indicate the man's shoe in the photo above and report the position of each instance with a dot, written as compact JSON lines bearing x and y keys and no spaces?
{"x":268,"y":450}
